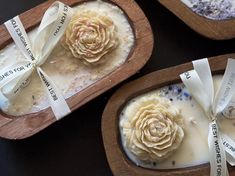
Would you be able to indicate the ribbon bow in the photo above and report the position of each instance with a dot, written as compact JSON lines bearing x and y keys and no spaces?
{"x":200,"y":83}
{"x":17,"y":76}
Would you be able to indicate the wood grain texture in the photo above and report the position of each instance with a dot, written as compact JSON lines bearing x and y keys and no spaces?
{"x":27,"y":125}
{"x":118,"y":161}
{"x":214,"y":29}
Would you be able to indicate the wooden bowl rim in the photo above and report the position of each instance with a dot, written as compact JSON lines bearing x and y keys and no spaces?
{"x":213,"y":29}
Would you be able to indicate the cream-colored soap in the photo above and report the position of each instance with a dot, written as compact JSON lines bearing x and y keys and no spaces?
{"x":194,"y":148}
{"x":68,"y":73}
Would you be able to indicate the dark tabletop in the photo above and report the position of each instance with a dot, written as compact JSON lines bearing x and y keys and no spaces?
{"x":73,"y":146}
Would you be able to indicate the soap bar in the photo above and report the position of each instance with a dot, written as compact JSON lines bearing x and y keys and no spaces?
{"x":195,"y":127}
{"x":70,"y":74}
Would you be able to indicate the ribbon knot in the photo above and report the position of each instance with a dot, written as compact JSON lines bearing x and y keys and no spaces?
{"x":34,"y":65}
{"x":17,"y":76}
{"x":199,"y":82}
{"x":212,"y":117}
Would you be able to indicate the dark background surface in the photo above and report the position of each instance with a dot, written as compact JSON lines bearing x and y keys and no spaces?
{"x":73,"y":146}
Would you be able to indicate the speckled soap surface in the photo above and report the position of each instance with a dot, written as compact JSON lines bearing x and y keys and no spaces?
{"x":195,"y":128}
{"x":67,"y":72}
{"x":212,"y":9}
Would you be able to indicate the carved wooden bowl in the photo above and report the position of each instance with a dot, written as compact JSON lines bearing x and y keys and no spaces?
{"x":117,"y":159}
{"x":27,"y":125}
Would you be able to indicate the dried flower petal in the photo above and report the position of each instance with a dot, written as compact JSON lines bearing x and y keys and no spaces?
{"x":89,"y":36}
{"x":155,"y":130}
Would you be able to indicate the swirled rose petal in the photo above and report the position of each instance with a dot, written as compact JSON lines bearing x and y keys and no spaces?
{"x":155,"y":130}
{"x":90,"y":36}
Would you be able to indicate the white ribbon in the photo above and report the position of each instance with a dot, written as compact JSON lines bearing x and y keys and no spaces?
{"x":17,"y":76}
{"x":200,"y":83}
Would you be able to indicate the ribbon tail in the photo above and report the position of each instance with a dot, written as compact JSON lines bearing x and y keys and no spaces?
{"x":13,"y":71}
{"x":194,"y":84}
{"x":226,"y":90}
{"x":229,"y":148}
{"x":50,"y":33}
{"x":216,"y":152}
{"x":14,"y":87}
{"x":14,"y":78}
{"x":203,"y":70}
{"x":58,"y":104}
{"x":18,"y":34}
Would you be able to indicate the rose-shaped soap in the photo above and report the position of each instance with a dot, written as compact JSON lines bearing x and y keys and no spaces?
{"x":154,"y":130}
{"x":90,"y":36}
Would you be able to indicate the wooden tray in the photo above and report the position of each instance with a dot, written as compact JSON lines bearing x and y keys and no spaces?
{"x":118,"y":161}
{"x":27,"y":125}
{"x":214,"y":29}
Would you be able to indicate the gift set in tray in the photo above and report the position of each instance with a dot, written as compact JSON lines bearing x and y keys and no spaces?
{"x":158,"y":125}
{"x":177,"y":121}
{"x":79,"y":50}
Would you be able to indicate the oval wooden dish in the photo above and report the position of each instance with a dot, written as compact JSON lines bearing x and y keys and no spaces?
{"x":117,"y":159}
{"x":214,"y":29}
{"x":27,"y":125}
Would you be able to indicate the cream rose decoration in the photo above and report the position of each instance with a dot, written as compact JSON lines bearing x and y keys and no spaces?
{"x":154,"y":129}
{"x":90,"y":36}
